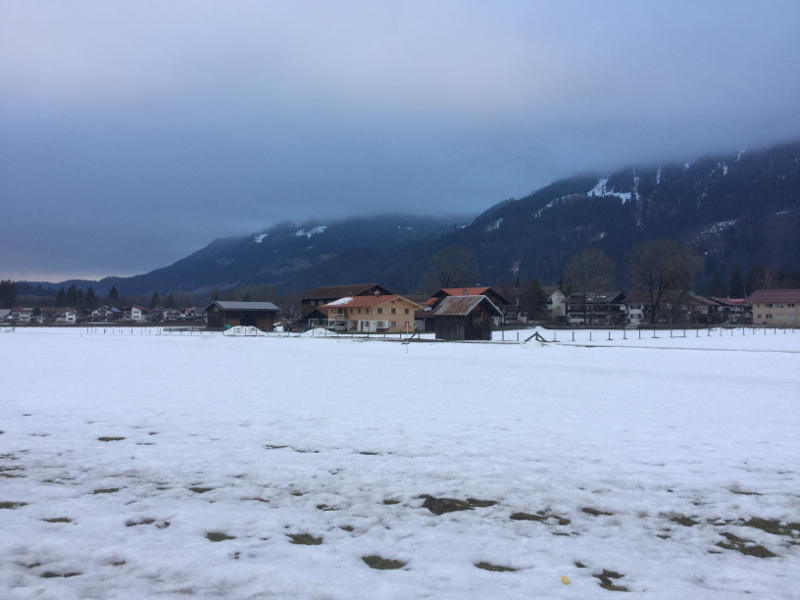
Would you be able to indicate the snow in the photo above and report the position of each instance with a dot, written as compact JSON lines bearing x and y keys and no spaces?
{"x":341,"y":301}
{"x":260,"y":237}
{"x":658,"y":175}
{"x":494,"y":226}
{"x":680,"y":440}
{"x":602,"y":191}
{"x":310,"y":232}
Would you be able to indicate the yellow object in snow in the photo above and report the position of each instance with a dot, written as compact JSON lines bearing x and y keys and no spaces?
{"x":565,"y":580}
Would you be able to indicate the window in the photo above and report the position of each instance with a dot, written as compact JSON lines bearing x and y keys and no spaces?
{"x":380,"y":311}
{"x":394,"y":323}
{"x":769,"y":305}
{"x":405,"y":311}
{"x":394,"y":311}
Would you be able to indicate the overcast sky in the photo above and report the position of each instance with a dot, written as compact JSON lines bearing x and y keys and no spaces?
{"x":134,"y":132}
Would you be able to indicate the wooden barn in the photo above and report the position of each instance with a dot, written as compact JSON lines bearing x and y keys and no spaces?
{"x":223,"y":314}
{"x":465,"y":318}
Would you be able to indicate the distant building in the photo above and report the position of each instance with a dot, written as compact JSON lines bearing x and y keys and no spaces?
{"x":556,"y":302}
{"x":775,"y":307}
{"x":223,"y":314}
{"x":496,"y":297}
{"x":312,"y":300}
{"x":371,"y":314}
{"x":596,"y":308}
{"x":465,"y":318}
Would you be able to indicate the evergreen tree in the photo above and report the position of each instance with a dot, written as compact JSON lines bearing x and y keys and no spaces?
{"x":61,"y":298}
{"x":170,"y":301}
{"x":756,"y":279}
{"x":533,"y":301}
{"x":113,"y":294}
{"x":737,"y":283}
{"x":8,"y":293}
{"x":155,"y":300}
{"x":79,"y":300}
{"x":717,"y":287}
{"x":72,"y":296}
{"x":91,"y":299}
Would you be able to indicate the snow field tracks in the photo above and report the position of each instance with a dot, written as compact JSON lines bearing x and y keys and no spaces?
{"x":289,"y":467}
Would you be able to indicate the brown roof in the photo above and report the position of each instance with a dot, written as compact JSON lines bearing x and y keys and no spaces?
{"x":467,"y":291}
{"x":728,"y":301}
{"x":774,"y":295}
{"x":363,"y":301}
{"x":461,"y":306}
{"x":341,"y":291}
{"x":705,"y":300}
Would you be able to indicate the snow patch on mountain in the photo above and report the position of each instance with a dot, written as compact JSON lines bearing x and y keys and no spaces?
{"x":260,"y":237}
{"x":310,"y":232}
{"x":494,"y":226}
{"x":601,"y":190}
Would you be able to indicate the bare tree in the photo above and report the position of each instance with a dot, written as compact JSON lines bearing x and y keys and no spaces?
{"x":453,"y":266}
{"x":661,"y":265}
{"x":589,"y":272}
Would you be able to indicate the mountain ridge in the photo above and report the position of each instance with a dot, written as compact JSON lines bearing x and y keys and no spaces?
{"x":738,"y":208}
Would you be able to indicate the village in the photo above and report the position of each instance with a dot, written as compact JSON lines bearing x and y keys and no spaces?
{"x":455,"y":313}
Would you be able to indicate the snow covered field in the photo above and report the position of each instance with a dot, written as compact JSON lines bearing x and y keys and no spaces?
{"x":269,"y":467}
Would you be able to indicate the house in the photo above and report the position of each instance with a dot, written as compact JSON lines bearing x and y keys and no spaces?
{"x":775,"y":307}
{"x":134,"y":313}
{"x":673,"y":307}
{"x":5,"y":314}
{"x":22,"y":315}
{"x":106,"y":313}
{"x":312,"y":300}
{"x":223,"y":314}
{"x":596,"y":308}
{"x":390,"y":313}
{"x":556,"y":302}
{"x":171,"y":314}
{"x":465,"y":318}
{"x":497,"y":299}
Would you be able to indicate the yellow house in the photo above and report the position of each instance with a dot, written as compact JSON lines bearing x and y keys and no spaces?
{"x":776,"y":307}
{"x":388,"y":313}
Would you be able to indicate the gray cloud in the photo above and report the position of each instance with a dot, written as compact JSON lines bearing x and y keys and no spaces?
{"x":134,"y":132}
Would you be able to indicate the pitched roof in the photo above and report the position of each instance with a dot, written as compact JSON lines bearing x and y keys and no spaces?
{"x":257,"y":306}
{"x":461,"y":306}
{"x":549,"y":290}
{"x":774,"y":295}
{"x":341,"y":291}
{"x":469,"y":291}
{"x":364,"y":301}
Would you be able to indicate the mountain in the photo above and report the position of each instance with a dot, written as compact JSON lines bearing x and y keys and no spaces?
{"x":282,"y":255}
{"x":742,"y":208}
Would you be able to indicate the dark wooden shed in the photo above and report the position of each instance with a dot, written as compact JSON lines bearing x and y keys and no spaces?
{"x":465,"y":318}
{"x":223,"y":313}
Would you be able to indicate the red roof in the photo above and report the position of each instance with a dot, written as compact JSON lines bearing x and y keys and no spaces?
{"x":774,"y":296}
{"x":362,"y":301}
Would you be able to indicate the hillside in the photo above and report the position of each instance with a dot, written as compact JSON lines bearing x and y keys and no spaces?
{"x":742,"y":208}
